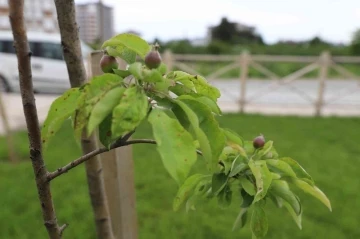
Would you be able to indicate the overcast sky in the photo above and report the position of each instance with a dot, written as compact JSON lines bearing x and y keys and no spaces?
{"x":333,"y":20}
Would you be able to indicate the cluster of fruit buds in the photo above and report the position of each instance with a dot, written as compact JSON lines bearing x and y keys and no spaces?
{"x":152,"y":60}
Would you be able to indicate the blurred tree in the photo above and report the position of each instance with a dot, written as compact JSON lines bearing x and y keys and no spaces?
{"x":355,"y":43}
{"x":234,"y":33}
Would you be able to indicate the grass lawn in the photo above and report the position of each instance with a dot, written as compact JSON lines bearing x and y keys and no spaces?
{"x":327,"y":147}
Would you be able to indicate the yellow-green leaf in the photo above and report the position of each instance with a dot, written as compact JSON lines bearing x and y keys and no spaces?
{"x":312,"y":190}
{"x":61,"y":109}
{"x":188,"y":118}
{"x":104,"y":107}
{"x":185,"y":190}
{"x":281,"y":166}
{"x":174,"y":144}
{"x":259,"y":223}
{"x":128,"y":41}
{"x":299,"y":171}
{"x":208,"y":125}
{"x":296,"y":217}
{"x":262,"y":176}
{"x":129,"y":113}
{"x":281,"y":189}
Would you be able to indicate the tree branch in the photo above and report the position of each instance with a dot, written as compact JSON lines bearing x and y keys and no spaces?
{"x":93,"y":153}
{"x":16,"y":15}
{"x":77,"y":75}
{"x":70,"y":41}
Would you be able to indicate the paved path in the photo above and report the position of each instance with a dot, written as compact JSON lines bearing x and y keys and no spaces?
{"x":282,"y":101}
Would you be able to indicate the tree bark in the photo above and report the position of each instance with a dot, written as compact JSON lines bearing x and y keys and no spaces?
{"x":77,"y":75}
{"x":16,"y":15}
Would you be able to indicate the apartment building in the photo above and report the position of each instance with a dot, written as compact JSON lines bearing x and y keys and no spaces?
{"x":95,"y":21}
{"x":40,"y":15}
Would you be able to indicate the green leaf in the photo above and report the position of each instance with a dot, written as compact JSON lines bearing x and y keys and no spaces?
{"x":248,"y":186}
{"x":152,"y":76}
{"x":202,"y":86}
{"x":129,"y":113}
{"x":209,"y":126}
{"x":237,"y":166}
{"x":225,"y":197}
{"x":281,"y":189}
{"x":179,"y":90}
{"x":264,"y":150}
{"x":174,"y":144}
{"x":185,"y":190}
{"x":162,"y":68}
{"x":206,"y":101}
{"x":91,"y":93}
{"x":163,"y":87}
{"x":232,"y":137}
{"x":312,"y":190}
{"x":209,"y":103}
{"x":272,"y":154}
{"x":259,"y":223}
{"x":294,"y":215}
{"x":299,"y":171}
{"x":247,"y":199}
{"x":201,"y":191}
{"x":121,"y":73}
{"x":104,"y":107}
{"x":276,"y":200}
{"x":263,"y":178}
{"x":275,"y":175}
{"x":219,"y":181}
{"x":281,"y":166}
{"x":105,"y":135}
{"x":136,"y":70}
{"x":124,"y":53}
{"x":249,"y":147}
{"x":187,"y":117}
{"x":240,"y":221}
{"x":127,"y":41}
{"x":61,"y":109}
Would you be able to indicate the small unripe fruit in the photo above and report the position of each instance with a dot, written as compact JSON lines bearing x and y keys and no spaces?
{"x":153,"y":58}
{"x":108,"y":63}
{"x":259,"y":142}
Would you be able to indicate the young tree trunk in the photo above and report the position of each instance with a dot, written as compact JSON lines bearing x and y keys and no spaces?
{"x":16,"y":15}
{"x":77,"y":75}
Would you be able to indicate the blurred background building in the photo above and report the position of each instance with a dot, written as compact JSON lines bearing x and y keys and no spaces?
{"x":95,"y":21}
{"x":40,"y":15}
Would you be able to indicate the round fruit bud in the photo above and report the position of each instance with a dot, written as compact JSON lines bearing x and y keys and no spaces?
{"x":259,"y":142}
{"x":108,"y":63}
{"x":153,"y":58}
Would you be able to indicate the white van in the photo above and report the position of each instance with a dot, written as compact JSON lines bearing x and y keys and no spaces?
{"x":49,"y":72}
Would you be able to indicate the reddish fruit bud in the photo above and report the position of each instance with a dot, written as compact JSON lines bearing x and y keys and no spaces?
{"x":153,"y":58}
{"x":108,"y":63}
{"x":259,"y":142}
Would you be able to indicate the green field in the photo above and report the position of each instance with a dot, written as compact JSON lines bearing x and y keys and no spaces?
{"x":327,"y":147}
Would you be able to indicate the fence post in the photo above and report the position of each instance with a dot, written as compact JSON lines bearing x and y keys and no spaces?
{"x":324,"y":61}
{"x":118,"y":171}
{"x":244,"y":68}
{"x":168,"y":59}
{"x":7,"y":131}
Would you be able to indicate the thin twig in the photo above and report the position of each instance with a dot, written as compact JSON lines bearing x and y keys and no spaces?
{"x":23,"y":53}
{"x":88,"y":156}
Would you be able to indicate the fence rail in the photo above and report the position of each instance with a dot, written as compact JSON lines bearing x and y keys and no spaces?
{"x":245,"y":61}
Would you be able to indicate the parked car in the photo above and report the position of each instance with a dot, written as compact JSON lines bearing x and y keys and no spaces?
{"x":49,"y":72}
